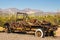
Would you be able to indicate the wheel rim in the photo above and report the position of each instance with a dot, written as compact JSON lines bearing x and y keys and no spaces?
{"x":6,"y":30}
{"x":38,"y":33}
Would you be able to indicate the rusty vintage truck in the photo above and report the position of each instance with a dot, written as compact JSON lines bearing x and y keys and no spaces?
{"x":24,"y":24}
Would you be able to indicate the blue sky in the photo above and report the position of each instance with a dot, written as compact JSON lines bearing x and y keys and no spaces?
{"x":44,"y":5}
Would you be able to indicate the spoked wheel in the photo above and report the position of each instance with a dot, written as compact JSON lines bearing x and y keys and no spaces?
{"x":39,"y":33}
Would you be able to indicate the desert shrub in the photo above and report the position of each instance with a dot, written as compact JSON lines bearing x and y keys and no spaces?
{"x":54,"y":19}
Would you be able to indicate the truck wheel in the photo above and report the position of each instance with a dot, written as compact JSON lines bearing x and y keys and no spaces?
{"x":39,"y":33}
{"x":52,"y":33}
{"x":6,"y":30}
{"x":9,"y":30}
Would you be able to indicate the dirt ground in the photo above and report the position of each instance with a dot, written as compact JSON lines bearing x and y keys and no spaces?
{"x":20,"y":36}
{"x":15,"y":36}
{"x":58,"y":32}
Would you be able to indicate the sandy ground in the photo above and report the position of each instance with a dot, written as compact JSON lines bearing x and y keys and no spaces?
{"x":58,"y":32}
{"x":15,"y":36}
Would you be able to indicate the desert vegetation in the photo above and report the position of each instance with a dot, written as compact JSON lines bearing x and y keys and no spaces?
{"x":54,"y":19}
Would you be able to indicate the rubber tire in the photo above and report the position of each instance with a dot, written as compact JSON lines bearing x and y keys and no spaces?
{"x":41,"y":31}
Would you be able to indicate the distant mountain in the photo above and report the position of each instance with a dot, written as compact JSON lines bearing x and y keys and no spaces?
{"x":9,"y":11}
{"x":13,"y":11}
